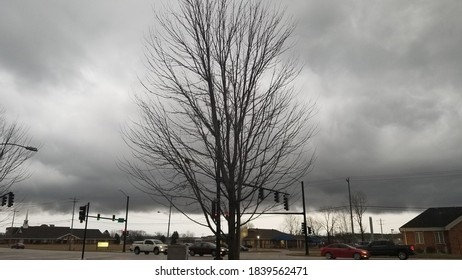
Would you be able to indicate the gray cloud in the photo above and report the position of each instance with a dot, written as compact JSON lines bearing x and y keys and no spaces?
{"x":386,"y":76}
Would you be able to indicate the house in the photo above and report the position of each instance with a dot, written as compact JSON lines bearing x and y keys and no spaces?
{"x":49,"y":234}
{"x":435,"y":230}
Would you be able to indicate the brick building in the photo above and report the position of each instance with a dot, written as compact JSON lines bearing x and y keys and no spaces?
{"x":436,"y":230}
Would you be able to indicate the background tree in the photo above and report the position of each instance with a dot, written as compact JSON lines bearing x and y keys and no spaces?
{"x":329,"y":222}
{"x":292,"y":224}
{"x":219,"y":112}
{"x":359,"y":207}
{"x":174,"y":237}
{"x":315,"y":225}
{"x":117,"y":238}
{"x":343,"y":219}
{"x":342,"y":228}
{"x":188,"y":234}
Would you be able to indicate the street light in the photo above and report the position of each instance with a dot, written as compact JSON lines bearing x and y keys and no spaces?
{"x":126,"y":221}
{"x":29,"y":148}
{"x":169,"y":218}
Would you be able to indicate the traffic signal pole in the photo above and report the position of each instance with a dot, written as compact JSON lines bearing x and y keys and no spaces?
{"x":85,"y":231}
{"x":307,"y":250}
{"x":286,"y":207}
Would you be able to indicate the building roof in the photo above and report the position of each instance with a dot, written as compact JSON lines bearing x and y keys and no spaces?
{"x":435,"y":218}
{"x":268,"y":234}
{"x":52,"y":232}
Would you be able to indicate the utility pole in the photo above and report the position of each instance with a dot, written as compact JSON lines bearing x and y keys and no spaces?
{"x":87,"y":210}
{"x":372,"y":228}
{"x":351,"y":212}
{"x":381,"y":227}
{"x":69,"y":240}
{"x":12,"y":222}
{"x":126,"y":220}
{"x":169,"y":217}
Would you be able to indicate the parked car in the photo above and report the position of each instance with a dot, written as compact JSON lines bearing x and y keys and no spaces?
{"x":388,"y":248}
{"x":18,"y":245}
{"x":206,"y":248}
{"x":362,"y":243}
{"x":341,"y":250}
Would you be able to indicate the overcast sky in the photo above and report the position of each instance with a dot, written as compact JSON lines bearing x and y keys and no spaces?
{"x":386,"y":77}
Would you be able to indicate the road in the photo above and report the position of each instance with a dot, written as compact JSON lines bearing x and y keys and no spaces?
{"x":31,"y":254}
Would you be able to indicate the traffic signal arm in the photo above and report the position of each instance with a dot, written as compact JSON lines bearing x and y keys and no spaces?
{"x":113,"y":218}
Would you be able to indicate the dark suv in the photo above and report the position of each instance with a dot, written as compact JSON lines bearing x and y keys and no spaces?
{"x":206,"y":248}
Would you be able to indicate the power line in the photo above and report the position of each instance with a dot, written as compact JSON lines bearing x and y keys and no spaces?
{"x":389,"y":177}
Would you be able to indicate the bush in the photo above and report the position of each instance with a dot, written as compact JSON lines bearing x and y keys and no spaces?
{"x":430,"y":250}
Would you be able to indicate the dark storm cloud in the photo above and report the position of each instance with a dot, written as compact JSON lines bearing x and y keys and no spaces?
{"x":389,"y":95}
{"x":68,"y":69}
{"x":385,"y":74}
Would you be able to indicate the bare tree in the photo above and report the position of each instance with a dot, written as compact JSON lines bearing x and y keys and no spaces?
{"x":219,"y":114}
{"x":343,"y":218}
{"x":315,"y":225}
{"x":292,"y":224}
{"x":187,"y":234}
{"x":359,"y":206}
{"x":342,"y":227}
{"x":329,"y":221}
{"x":14,"y":152}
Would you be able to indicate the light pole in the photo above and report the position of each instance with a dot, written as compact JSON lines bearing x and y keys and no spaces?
{"x":126,"y":221}
{"x":169,"y":219}
{"x":29,"y":148}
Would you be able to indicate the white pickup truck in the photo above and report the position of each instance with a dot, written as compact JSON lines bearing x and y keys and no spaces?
{"x":149,"y":245}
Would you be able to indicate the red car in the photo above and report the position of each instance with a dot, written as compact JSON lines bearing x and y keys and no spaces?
{"x":340,"y":250}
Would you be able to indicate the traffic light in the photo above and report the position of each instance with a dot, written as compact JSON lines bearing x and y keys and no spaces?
{"x":10,"y":199}
{"x":309,"y":230}
{"x":113,"y":217}
{"x":303,"y":228}
{"x":276,"y":197}
{"x":286,"y":202}
{"x":82,"y":213}
{"x":260,"y":193}
{"x":4,"y":198}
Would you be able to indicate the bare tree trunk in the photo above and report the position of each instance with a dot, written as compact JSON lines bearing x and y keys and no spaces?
{"x":359,"y":203}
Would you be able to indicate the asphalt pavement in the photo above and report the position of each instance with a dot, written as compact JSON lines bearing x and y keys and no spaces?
{"x":31,"y":254}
